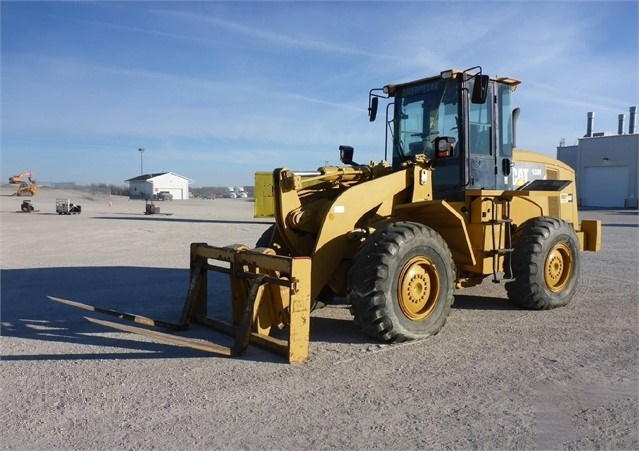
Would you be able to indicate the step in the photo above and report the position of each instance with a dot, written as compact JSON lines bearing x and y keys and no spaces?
{"x":500,"y":221}
{"x":502,"y":251}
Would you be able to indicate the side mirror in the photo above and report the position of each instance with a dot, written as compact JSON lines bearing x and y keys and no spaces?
{"x":515,"y":117}
{"x":480,"y":89}
{"x":444,"y":146}
{"x":346,"y":154}
{"x":372,"y":109}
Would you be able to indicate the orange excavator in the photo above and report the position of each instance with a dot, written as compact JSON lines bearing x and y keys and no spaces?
{"x":26,"y":180}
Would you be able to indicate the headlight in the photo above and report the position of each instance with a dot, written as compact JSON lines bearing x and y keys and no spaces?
{"x":447,"y":74}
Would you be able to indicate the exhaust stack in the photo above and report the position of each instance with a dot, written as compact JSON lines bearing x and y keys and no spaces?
{"x":622,"y":117}
{"x":591,"y":122}
{"x":632,"y":120}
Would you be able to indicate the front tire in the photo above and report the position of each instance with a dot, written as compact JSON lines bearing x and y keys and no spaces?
{"x":401,"y":283}
{"x":326,"y":296}
{"x":265,"y":239}
{"x":545,"y":264}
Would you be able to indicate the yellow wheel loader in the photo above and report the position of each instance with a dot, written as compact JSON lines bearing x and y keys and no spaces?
{"x":455,"y":204}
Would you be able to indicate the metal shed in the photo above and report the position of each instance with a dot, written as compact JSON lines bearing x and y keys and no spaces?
{"x":606,"y":165}
{"x":147,"y":186}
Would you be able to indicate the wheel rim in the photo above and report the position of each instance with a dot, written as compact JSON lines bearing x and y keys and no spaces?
{"x":418,"y":288}
{"x":559,"y":267}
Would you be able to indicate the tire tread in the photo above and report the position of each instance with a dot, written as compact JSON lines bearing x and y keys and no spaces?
{"x":370,"y":269}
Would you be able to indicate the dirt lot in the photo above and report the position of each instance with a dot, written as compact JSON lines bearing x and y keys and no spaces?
{"x":495,"y":377}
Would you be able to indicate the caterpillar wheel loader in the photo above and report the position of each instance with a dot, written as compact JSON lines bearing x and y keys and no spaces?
{"x":456,"y":204}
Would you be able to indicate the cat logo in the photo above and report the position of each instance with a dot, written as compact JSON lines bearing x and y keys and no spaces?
{"x":523,"y":173}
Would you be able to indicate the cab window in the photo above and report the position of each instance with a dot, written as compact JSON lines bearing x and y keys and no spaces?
{"x":480,"y":121}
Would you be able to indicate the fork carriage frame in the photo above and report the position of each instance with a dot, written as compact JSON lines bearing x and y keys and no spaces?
{"x":267,"y":291}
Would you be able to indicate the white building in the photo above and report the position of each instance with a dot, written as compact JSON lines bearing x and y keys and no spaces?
{"x":148,"y":185}
{"x":606,"y":165}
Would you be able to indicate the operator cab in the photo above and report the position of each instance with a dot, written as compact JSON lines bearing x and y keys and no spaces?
{"x":462,"y":121}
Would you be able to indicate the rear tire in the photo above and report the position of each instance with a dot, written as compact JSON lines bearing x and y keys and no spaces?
{"x":401,"y":283}
{"x":545,"y":264}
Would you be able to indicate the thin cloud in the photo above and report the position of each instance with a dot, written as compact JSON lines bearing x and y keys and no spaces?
{"x":261,"y":35}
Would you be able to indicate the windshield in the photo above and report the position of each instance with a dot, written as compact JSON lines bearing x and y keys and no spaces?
{"x":424,"y":112}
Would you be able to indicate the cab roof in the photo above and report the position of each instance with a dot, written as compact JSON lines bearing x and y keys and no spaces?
{"x":452,"y":73}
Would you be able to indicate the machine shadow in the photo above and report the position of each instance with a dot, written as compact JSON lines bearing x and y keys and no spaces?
{"x":142,"y":216}
{"x":158,"y":293}
{"x":334,"y":323}
{"x":627,"y":213}
{"x":621,"y":225}
{"x":474,"y":302}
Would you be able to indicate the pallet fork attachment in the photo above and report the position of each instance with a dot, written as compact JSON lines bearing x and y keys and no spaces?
{"x":267,"y":291}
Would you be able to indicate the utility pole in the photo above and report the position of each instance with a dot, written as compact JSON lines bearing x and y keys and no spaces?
{"x":141,"y":150}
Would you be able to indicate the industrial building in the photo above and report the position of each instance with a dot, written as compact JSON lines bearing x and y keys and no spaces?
{"x":606,"y":164}
{"x":147,"y":186}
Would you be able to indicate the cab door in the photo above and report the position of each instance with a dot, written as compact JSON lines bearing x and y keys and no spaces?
{"x":490,"y":139}
{"x":481,"y":139}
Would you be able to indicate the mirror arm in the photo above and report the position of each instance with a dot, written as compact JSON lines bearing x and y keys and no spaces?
{"x":373,"y":101}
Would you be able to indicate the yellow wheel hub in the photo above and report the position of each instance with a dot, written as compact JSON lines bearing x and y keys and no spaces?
{"x":418,"y":288}
{"x":559,"y":267}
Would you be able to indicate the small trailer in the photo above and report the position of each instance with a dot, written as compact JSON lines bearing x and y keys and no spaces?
{"x":66,"y":207}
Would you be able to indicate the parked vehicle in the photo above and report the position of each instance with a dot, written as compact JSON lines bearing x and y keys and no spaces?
{"x":66,"y":207}
{"x":27,"y":206}
{"x":164,"y":195}
{"x":26,"y":180}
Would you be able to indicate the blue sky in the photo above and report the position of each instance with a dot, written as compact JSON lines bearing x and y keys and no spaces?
{"x":216,"y":91}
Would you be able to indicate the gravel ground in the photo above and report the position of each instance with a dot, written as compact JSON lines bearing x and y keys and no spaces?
{"x":496,"y":376}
